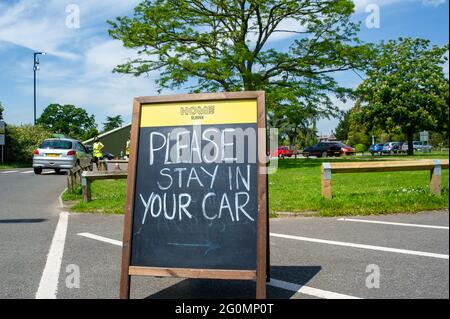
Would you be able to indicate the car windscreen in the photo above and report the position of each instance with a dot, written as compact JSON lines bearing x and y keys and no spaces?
{"x":56,"y":144}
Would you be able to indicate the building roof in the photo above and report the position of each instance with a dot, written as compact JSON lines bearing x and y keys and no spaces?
{"x":108,"y":133}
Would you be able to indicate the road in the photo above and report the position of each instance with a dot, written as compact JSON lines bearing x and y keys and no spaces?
{"x":395,"y":256}
{"x":28,"y":216}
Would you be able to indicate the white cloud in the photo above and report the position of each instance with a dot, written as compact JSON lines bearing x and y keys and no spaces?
{"x":433,"y":3}
{"x":81,"y":74}
{"x":361,"y":5}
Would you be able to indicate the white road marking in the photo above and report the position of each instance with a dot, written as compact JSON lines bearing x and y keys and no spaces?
{"x":101,"y":238}
{"x":391,"y":223}
{"x":61,"y":203}
{"x":308,"y":290}
{"x":27,"y":172}
{"x":273,"y":282}
{"x":48,"y":285}
{"x":370,"y":247}
{"x":9,"y":172}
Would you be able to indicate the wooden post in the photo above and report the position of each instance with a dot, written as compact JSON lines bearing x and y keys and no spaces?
{"x":86,"y":188}
{"x":69,"y":182}
{"x":435,"y":178}
{"x":326,"y":181}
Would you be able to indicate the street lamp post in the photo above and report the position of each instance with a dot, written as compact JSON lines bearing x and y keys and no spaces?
{"x":36,"y":68}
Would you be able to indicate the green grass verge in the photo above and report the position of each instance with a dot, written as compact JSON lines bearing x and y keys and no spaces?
{"x":296,"y":188}
{"x":14,"y":165}
{"x":108,"y":197}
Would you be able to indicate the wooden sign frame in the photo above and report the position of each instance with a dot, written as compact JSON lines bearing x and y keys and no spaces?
{"x":262,"y":258}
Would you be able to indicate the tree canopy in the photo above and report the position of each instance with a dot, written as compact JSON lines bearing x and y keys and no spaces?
{"x":112,"y":122}
{"x":224,"y":45}
{"x":69,"y":120}
{"x":406,"y":88}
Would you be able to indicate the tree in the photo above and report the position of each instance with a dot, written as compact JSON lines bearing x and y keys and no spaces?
{"x":343,"y":126}
{"x":112,"y":122}
{"x":69,"y":120}
{"x":406,"y":88}
{"x":1,"y":111}
{"x":222,"y":45}
{"x":22,"y":140}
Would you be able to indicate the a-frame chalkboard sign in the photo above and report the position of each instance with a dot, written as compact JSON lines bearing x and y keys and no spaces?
{"x":197,"y":189}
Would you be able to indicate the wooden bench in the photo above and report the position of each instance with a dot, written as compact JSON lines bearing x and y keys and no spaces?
{"x":88,"y":177}
{"x":434,"y":166}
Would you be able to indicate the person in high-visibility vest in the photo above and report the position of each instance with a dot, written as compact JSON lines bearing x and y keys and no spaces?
{"x":97,"y":150}
{"x":127,"y":148}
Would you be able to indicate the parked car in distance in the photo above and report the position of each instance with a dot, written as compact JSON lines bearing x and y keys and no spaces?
{"x":323,"y":149}
{"x":282,"y":152}
{"x":60,"y":153}
{"x":345,"y":149}
{"x":390,"y":148}
{"x":421,"y":146}
{"x":376,"y":148}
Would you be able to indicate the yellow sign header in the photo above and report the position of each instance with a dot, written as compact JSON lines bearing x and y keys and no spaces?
{"x":203,"y":113}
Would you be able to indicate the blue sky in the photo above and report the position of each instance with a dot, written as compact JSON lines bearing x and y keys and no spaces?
{"x":77,"y":68}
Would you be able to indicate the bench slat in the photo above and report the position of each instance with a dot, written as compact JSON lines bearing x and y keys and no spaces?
{"x":386,"y":166}
{"x":105,"y":175}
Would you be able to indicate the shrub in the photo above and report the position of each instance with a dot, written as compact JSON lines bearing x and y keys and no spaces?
{"x":360,"y":148}
{"x":22,"y":140}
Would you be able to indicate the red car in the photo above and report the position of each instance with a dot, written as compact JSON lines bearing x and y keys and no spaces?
{"x":346,"y":150}
{"x":282,"y":152}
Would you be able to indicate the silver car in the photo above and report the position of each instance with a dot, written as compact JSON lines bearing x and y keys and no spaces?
{"x":60,"y":153}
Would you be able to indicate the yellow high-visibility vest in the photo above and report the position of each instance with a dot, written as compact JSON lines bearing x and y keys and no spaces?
{"x":97,"y":149}
{"x":127,"y":149}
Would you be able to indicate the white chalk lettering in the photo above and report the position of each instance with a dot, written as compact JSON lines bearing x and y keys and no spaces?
{"x":213,"y":175}
{"x":211,"y":147}
{"x":167,"y":175}
{"x":227,"y":151}
{"x":204,"y":206}
{"x":241,"y":206}
{"x":180,"y":173}
{"x":154,"y":148}
{"x":182,"y":207}
{"x":152,"y":205}
{"x":146,"y":205}
{"x":174,"y":209}
{"x":191,"y":174}
{"x":246,"y":181}
{"x":224,"y":205}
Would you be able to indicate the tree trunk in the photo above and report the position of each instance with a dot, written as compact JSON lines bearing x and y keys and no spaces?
{"x":410,"y":137}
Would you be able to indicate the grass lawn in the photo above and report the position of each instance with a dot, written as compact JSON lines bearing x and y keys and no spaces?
{"x":296,"y":187}
{"x":14,"y":165}
{"x":108,"y":196}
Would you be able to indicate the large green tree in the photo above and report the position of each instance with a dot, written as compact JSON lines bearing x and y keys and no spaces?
{"x":406,"y":88}
{"x":69,"y":120}
{"x":224,"y":45}
{"x":112,"y":122}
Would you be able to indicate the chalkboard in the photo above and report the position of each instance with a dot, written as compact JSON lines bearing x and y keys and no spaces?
{"x":196,"y":203}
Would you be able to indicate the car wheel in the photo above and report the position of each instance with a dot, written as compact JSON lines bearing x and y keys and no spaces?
{"x":37,"y":170}
{"x":281,"y":156}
